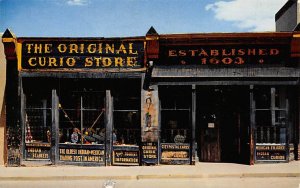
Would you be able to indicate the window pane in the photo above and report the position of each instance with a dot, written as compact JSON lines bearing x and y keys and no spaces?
{"x":262,"y":97}
{"x":82,"y":118}
{"x":175,"y":126}
{"x":126,"y":127}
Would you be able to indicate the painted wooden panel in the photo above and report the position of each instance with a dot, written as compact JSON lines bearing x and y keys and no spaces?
{"x":37,"y":151}
{"x":149,"y":115}
{"x":201,"y":72}
{"x":226,"y":55}
{"x":149,"y":153}
{"x":270,"y":152}
{"x":68,"y":54}
{"x":82,"y":153}
{"x":175,"y":153}
{"x":126,"y":155}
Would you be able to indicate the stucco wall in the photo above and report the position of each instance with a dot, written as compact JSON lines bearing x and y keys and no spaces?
{"x":298,"y":12}
{"x":288,"y":20}
{"x":2,"y":87}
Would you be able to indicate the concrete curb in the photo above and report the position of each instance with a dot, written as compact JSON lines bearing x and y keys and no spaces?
{"x":141,"y":177}
{"x":66,"y":178}
{"x":244,"y":175}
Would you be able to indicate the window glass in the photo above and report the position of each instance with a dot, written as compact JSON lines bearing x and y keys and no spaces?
{"x":37,"y":119}
{"x":82,"y":118}
{"x":270,"y":115}
{"x":127,"y":126}
{"x":175,"y":114}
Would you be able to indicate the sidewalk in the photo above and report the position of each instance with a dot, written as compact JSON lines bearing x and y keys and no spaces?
{"x":200,"y":170}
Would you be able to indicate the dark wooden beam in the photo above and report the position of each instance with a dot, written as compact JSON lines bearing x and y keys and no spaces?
{"x":229,"y":82}
{"x":252,"y":127}
{"x":55,"y":128}
{"x":193,"y":124}
{"x":205,"y":72}
{"x":108,"y":121}
{"x":13,"y":99}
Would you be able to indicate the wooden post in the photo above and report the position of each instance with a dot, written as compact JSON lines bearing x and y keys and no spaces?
{"x":297,"y":127}
{"x":287,"y":129}
{"x":150,"y":125}
{"x":295,"y":58}
{"x":23,"y":123}
{"x":55,"y":128}
{"x":12,"y":94}
{"x":252,"y":127}
{"x":81,"y":118}
{"x":109,"y":128}
{"x":193,"y":124}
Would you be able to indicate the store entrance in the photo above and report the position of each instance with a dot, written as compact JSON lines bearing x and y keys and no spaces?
{"x":222,"y":124}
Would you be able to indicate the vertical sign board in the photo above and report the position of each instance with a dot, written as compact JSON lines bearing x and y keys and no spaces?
{"x":270,"y":152}
{"x":149,"y":153}
{"x":149,"y":123}
{"x":149,"y":113}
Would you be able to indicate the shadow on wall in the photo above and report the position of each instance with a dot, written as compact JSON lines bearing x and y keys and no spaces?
{"x":2,"y":102}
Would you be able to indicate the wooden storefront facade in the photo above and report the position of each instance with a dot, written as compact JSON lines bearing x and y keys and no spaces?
{"x":156,"y":99}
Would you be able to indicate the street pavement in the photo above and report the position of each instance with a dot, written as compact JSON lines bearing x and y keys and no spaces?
{"x":200,"y":170}
{"x":205,"y":174}
{"x":162,"y":183}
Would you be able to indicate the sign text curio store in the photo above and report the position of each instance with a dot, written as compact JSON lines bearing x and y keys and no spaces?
{"x":81,"y":54}
{"x":224,"y":55}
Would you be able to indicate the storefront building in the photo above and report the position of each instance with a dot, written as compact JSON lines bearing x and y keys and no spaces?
{"x":155,"y":99}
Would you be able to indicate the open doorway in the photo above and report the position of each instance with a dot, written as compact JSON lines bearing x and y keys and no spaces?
{"x":222,"y":123}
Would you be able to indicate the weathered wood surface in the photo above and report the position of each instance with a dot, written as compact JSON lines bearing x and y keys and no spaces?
{"x":108,"y":121}
{"x":210,"y":144}
{"x":13,"y":106}
{"x":55,"y":127}
{"x":202,"y":72}
{"x":81,"y":74}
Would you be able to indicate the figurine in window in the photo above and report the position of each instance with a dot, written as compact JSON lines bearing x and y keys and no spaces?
{"x":28,"y":135}
{"x":48,"y":136}
{"x":114,"y":137}
{"x":75,"y":136}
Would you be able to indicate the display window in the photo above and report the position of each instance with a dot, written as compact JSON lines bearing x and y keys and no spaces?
{"x":271,"y":123}
{"x":82,"y":118}
{"x":126,"y":134}
{"x":81,"y":123}
{"x":175,"y":114}
{"x":271,"y":115}
{"x":36,"y":119}
{"x":175,"y":124}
